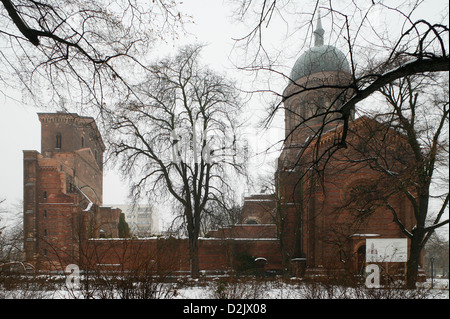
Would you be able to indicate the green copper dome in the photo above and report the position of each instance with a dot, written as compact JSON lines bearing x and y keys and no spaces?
{"x":319,"y":58}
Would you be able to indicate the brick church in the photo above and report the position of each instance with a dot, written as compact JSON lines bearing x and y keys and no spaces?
{"x":316,"y":221}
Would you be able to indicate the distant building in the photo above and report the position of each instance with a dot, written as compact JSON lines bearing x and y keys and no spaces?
{"x":142,"y":219}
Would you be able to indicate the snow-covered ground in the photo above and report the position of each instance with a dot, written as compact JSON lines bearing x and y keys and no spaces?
{"x":280,"y":290}
{"x":217,"y":288}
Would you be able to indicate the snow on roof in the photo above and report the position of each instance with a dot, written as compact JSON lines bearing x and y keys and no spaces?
{"x":365,"y":235}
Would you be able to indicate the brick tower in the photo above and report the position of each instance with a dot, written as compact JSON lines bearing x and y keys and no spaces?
{"x":310,"y":99}
{"x":62,"y":189}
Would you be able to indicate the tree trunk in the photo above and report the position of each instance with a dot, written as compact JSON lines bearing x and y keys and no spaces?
{"x":193,"y":256}
{"x":412,"y":266}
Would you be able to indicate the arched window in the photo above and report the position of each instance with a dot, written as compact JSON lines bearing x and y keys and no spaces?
{"x":82,"y":141}
{"x":320,"y":103}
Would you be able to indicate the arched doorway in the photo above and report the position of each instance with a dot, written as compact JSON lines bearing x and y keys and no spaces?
{"x":361,"y":259}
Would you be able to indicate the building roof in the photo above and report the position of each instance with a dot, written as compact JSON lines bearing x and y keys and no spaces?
{"x":319,"y":58}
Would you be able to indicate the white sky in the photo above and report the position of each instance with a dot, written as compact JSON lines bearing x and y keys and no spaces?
{"x":20,"y":127}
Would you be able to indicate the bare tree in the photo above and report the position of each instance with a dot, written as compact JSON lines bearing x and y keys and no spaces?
{"x":437,"y":256}
{"x":382,"y":54}
{"x":182,"y":142}
{"x":221,"y":213}
{"x":420,"y":45}
{"x":404,"y":148}
{"x":79,"y":52}
{"x":11,"y":241}
{"x":422,"y":117}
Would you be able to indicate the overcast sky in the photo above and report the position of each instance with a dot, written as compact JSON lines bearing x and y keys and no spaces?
{"x":20,"y":127}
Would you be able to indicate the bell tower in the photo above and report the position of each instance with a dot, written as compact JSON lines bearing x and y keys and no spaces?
{"x":315,"y":90}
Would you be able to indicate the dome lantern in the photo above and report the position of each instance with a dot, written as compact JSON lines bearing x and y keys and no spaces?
{"x":318,"y":33}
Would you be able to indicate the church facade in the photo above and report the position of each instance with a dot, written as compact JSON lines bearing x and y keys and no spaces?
{"x":326,"y":206}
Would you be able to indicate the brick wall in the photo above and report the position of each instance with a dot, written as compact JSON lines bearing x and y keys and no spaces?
{"x":331,"y":211}
{"x":245,"y":231}
{"x":258,"y":208}
{"x":171,"y":255}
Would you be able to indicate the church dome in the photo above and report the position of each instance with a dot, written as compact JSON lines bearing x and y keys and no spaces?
{"x":319,"y":58}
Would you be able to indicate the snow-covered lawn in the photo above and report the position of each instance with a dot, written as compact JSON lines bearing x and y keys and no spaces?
{"x":218,"y":288}
{"x":281,"y":290}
